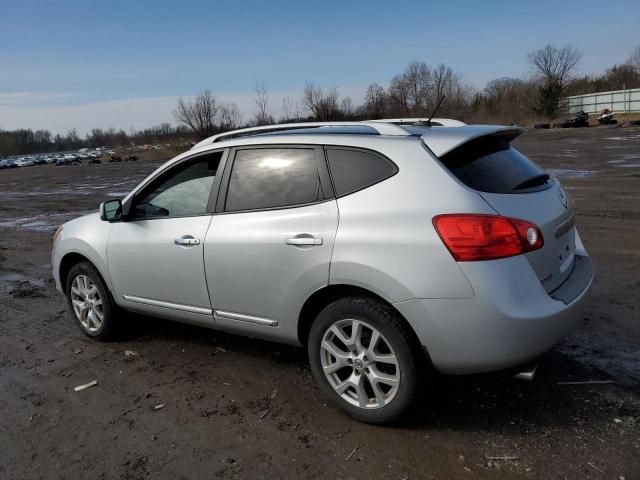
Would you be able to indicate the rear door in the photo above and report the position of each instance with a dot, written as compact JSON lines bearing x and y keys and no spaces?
{"x":516,"y":187}
{"x":269,"y":245}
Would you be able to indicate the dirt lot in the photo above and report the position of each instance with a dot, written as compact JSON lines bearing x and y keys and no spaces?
{"x":240,"y":408}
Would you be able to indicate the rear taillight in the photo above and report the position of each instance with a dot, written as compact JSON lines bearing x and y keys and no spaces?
{"x":472,"y":237}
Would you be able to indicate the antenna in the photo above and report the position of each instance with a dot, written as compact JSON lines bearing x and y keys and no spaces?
{"x":434,"y":111}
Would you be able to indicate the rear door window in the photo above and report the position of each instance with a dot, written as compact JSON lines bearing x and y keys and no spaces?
{"x":273,"y":177}
{"x":491,"y":164}
{"x":353,"y":170}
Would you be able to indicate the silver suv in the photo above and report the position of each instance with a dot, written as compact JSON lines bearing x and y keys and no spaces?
{"x":383,"y":247}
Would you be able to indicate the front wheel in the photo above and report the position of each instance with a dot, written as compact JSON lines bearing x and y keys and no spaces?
{"x":364,"y":358}
{"x":90,"y":303}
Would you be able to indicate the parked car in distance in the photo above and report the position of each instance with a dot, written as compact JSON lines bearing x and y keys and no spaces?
{"x":67,"y":159}
{"x":24,"y":162}
{"x":381,"y":247}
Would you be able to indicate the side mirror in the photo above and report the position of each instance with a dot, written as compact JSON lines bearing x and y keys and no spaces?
{"x":111,"y":210}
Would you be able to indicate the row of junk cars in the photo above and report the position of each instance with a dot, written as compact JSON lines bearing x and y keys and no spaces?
{"x":84,"y":156}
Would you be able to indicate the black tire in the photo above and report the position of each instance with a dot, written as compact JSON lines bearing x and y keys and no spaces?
{"x":109,"y":328}
{"x":399,"y":338}
{"x":539,"y":126}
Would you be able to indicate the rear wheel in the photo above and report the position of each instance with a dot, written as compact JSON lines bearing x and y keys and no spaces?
{"x":90,"y":303}
{"x":364,"y":358}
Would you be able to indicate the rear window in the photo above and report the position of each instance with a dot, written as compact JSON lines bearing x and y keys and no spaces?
{"x":490,"y":164}
{"x":353,"y":170}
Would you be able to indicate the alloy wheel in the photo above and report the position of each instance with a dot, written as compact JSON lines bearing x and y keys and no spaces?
{"x":360,"y":364}
{"x":87,"y":303}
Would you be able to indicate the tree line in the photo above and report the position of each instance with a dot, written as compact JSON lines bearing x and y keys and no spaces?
{"x":412,"y":93}
{"x":417,"y":90}
{"x":27,"y":141}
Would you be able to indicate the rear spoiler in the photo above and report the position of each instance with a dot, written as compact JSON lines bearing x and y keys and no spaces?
{"x":443,"y":140}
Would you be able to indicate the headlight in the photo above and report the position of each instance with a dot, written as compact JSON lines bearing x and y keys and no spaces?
{"x":57,"y":234}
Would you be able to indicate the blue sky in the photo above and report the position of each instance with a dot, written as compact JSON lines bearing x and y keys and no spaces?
{"x":123,"y":63}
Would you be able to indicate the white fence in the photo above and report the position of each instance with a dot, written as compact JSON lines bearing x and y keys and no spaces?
{"x":618,"y":101}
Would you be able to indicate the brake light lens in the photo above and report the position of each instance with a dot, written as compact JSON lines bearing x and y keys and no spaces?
{"x":472,"y":237}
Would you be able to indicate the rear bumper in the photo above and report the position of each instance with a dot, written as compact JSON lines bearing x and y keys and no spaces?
{"x":510,"y":321}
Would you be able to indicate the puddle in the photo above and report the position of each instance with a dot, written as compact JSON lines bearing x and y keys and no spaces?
{"x":18,"y":285}
{"x":630,"y":137}
{"x":82,"y":189}
{"x":615,"y":161}
{"x":628,"y":165}
{"x":90,"y":185}
{"x":630,"y":156}
{"x":608,"y":354}
{"x":569,"y":173}
{"x":42,"y":223}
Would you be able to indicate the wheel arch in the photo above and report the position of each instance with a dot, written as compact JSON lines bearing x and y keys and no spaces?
{"x":68,"y":261}
{"x":326,"y":295}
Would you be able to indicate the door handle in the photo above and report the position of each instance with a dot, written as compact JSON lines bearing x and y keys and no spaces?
{"x":187,"y":241}
{"x":303,"y":241}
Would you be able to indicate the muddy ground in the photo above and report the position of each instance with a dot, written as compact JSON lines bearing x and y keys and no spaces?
{"x":240,"y":408}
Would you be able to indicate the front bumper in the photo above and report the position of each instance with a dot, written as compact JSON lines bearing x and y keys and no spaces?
{"x":510,"y":321}
{"x":55,"y":269}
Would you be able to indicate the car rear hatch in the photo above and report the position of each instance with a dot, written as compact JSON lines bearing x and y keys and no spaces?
{"x":482,"y":158}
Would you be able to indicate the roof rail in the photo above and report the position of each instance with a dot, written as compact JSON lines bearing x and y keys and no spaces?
{"x":442,"y":122}
{"x":381,"y":127}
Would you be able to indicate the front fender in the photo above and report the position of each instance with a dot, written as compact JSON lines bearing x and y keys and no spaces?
{"x":86,"y":236}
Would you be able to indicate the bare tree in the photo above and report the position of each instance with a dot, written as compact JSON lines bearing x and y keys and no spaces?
{"x":418,"y":78}
{"x":263,"y":116}
{"x":375,"y":102}
{"x":198,"y":114}
{"x":410,"y":91}
{"x":554,"y":67}
{"x":634,"y":59}
{"x":450,"y":85}
{"x":290,"y":110}
{"x":509,"y":100}
{"x":346,"y":107}
{"x":322,"y":105}
{"x":230,"y":117}
{"x":443,"y":81}
{"x":287,"y":109}
{"x":555,"y":64}
{"x":399,"y":95}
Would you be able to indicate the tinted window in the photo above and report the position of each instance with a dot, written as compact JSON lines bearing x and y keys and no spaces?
{"x":273,"y":177}
{"x":184,"y":192}
{"x":492,"y":165}
{"x":353,"y":170}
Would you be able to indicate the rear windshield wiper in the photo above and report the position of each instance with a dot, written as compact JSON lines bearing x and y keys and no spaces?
{"x":533,"y":182}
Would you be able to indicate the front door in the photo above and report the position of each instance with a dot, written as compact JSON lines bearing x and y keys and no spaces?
{"x":155,"y":256}
{"x":269,"y":246}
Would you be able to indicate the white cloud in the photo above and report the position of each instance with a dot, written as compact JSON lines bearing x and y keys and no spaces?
{"x":31,"y":98}
{"x":60,"y":112}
